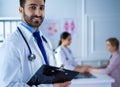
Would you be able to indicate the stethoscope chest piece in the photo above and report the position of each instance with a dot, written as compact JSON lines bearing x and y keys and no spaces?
{"x":31,"y":57}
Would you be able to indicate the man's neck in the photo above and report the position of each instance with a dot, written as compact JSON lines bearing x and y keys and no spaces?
{"x":35,"y":28}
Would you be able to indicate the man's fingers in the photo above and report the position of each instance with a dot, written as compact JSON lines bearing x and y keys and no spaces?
{"x":66,"y":84}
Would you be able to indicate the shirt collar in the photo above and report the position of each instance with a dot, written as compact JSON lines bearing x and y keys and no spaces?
{"x":28,"y":31}
{"x":28,"y":27}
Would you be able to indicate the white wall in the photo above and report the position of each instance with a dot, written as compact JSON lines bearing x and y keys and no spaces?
{"x":100,"y":20}
{"x":9,"y":8}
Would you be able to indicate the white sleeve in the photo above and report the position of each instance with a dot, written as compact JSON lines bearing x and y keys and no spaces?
{"x":10,"y":72}
{"x":21,"y":84}
{"x":45,"y":85}
{"x":61,"y":59}
{"x":18,"y":84}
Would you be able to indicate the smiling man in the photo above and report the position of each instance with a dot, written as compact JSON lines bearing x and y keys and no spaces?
{"x":25,"y":51}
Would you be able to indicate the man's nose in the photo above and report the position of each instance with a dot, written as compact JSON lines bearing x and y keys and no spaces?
{"x":38,"y":12}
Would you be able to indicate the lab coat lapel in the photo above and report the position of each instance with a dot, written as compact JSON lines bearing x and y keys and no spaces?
{"x":34,"y":47}
{"x":37,"y":50}
{"x":49,"y":51}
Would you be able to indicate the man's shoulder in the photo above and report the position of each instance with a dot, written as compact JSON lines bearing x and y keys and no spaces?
{"x":13,"y":40}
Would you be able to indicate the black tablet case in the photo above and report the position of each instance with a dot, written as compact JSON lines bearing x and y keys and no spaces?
{"x":50,"y":74}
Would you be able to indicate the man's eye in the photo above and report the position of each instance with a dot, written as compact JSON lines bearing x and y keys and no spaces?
{"x":33,"y":7}
{"x":42,"y":8}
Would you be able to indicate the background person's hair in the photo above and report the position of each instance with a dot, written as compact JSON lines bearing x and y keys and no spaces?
{"x":22,"y":2}
{"x":64,"y":36}
{"x":114,"y":42}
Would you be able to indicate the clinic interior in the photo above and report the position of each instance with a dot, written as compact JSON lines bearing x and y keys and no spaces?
{"x":93,"y":21}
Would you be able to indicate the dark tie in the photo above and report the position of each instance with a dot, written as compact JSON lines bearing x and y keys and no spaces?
{"x":40,"y":45}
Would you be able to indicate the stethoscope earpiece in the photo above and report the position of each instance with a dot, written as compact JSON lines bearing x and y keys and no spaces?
{"x":31,"y":57}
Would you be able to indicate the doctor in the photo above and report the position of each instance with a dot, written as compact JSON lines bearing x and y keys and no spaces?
{"x":63,"y":54}
{"x":23,"y":53}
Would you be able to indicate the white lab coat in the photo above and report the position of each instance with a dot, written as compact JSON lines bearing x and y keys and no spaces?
{"x":15,"y":68}
{"x":64,"y":56}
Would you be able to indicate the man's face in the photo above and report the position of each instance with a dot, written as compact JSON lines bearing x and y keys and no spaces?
{"x":33,"y":12}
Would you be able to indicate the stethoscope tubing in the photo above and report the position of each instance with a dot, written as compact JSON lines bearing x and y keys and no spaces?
{"x":25,"y":40}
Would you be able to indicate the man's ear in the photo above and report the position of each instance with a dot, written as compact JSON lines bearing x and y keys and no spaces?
{"x":21,"y":10}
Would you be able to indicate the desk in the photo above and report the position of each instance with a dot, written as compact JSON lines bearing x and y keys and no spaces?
{"x":99,"y":81}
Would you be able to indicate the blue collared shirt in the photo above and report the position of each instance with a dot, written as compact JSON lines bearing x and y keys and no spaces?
{"x":28,"y":27}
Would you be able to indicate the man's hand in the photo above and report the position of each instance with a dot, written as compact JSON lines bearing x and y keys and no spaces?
{"x":65,"y":84}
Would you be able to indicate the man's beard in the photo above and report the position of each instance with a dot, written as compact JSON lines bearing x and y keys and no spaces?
{"x":30,"y":22}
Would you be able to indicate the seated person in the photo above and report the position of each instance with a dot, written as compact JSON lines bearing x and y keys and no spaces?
{"x":64,"y":55}
{"x":113,"y":66}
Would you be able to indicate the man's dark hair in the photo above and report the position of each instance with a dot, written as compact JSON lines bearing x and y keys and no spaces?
{"x":22,"y":2}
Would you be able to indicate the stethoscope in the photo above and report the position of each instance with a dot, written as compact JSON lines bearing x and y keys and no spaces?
{"x":31,"y":56}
